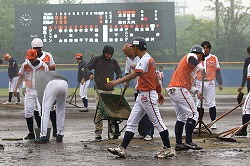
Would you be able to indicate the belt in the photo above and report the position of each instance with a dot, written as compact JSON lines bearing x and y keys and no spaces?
{"x":139,"y":91}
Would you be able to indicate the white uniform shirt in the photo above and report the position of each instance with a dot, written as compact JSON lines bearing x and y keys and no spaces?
{"x":129,"y":69}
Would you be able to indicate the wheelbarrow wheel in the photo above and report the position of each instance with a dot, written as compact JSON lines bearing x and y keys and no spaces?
{"x":113,"y":132}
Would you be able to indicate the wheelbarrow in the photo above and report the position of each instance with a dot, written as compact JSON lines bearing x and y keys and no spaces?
{"x":115,"y":109}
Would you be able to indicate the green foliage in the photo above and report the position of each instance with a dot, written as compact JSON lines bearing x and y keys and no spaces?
{"x":234,"y":34}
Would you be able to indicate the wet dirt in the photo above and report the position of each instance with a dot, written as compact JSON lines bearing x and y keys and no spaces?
{"x":80,"y":148}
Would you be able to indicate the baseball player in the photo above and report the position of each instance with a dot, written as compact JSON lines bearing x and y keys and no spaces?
{"x":246,"y":106}
{"x":212,"y":68}
{"x":105,"y":66}
{"x":51,"y":85}
{"x":84,"y":80}
{"x":178,"y":90}
{"x":145,"y":126}
{"x":246,"y":73}
{"x":146,"y":101}
{"x":46,"y":57}
{"x":160,"y":75}
{"x":13,"y":77}
{"x":27,"y":73}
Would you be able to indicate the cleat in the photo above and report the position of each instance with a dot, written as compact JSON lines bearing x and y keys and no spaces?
{"x":179,"y":147}
{"x":193,"y":146}
{"x":138,"y":136}
{"x":41,"y":140}
{"x":241,"y":134}
{"x":18,"y":103}
{"x":30,"y":136}
{"x":59,"y":138}
{"x":165,"y":153}
{"x":84,"y":110}
{"x":98,"y":137}
{"x":214,"y":126}
{"x":119,"y":151}
{"x":148,"y":138}
{"x":7,"y":103}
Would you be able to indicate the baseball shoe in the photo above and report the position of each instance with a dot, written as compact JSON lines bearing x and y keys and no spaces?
{"x":193,"y":146}
{"x":41,"y":140}
{"x":18,"y":103}
{"x":30,"y":136}
{"x":138,"y":136}
{"x":98,"y":137}
{"x":241,"y":134}
{"x":179,"y":147}
{"x":59,"y":138}
{"x":119,"y":151}
{"x":148,"y":138}
{"x":7,"y":103}
{"x":84,"y":110}
{"x":165,"y":153}
{"x":214,"y":126}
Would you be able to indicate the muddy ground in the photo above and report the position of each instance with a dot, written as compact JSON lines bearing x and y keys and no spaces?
{"x":79,"y":147}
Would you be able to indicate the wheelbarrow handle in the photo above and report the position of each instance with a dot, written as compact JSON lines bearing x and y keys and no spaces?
{"x":123,"y":92}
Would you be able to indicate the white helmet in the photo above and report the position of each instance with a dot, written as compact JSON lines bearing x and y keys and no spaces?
{"x":37,"y":42}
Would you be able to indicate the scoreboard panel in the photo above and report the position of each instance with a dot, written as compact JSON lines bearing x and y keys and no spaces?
{"x":74,"y":27}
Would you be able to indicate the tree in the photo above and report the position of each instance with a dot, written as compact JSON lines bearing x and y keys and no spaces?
{"x":235,"y":18}
{"x":71,"y":1}
{"x":7,"y":22}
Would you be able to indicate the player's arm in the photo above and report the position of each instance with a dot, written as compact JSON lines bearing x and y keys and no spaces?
{"x":127,"y":78}
{"x":244,"y":77}
{"x":219,"y":79}
{"x":19,"y":81}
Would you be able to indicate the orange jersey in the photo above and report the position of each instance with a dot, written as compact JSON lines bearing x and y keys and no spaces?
{"x":48,"y":59}
{"x":29,"y":72}
{"x":147,"y":79}
{"x":211,"y":64}
{"x":184,"y":74}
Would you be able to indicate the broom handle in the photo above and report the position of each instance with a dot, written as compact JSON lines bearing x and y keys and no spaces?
{"x":223,"y":115}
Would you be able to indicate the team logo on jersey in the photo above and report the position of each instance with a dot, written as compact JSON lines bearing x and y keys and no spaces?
{"x":210,"y":63}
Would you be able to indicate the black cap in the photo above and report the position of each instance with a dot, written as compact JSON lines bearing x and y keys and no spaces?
{"x":139,"y":42}
{"x":197,"y":49}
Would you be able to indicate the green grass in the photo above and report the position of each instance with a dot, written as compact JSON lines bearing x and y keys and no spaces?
{"x":130,"y":91}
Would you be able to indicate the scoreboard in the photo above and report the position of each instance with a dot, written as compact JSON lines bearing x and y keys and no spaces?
{"x":75,"y":27}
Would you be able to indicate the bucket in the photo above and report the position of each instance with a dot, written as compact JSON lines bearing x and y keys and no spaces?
{"x":37,"y":132}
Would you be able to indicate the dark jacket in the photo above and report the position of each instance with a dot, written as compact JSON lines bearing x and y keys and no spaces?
{"x":13,"y":68}
{"x":104,"y":69}
{"x":244,"y":78}
{"x":82,"y":73}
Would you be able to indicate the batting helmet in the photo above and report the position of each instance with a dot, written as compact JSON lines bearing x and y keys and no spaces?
{"x":197,"y":49}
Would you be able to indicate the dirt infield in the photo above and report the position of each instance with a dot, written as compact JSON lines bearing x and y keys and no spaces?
{"x":79,"y":147}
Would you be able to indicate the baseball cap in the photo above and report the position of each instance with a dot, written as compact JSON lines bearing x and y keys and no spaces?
{"x":31,"y":54}
{"x":37,"y":42}
{"x":6,"y":55}
{"x":197,"y":49}
{"x":78,"y":56}
{"x":140,"y":42}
